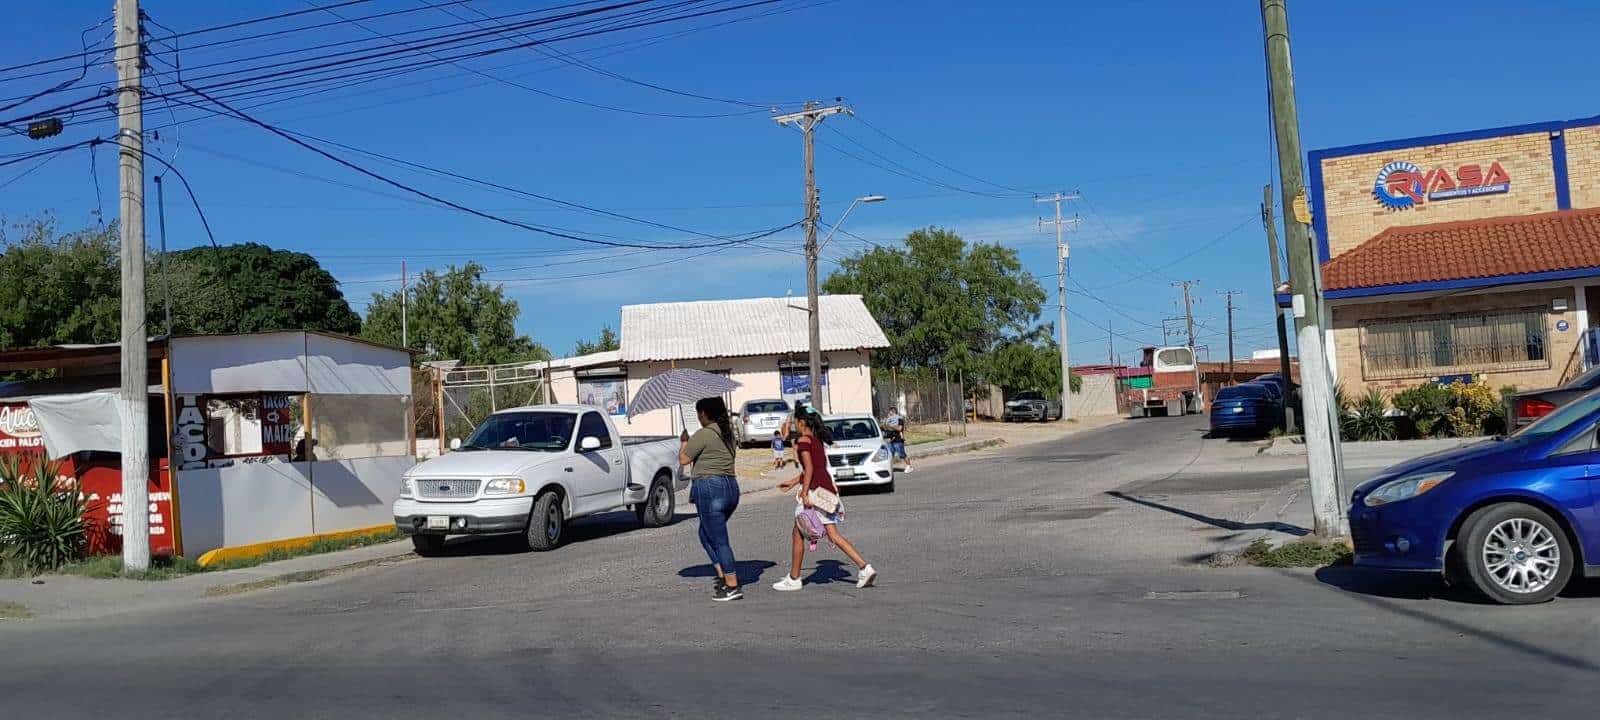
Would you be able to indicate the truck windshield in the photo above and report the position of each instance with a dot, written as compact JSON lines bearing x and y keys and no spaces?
{"x":538,"y":431}
{"x":853,"y":428}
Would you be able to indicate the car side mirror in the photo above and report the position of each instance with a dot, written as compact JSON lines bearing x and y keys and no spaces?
{"x":589,"y":444}
{"x":455,"y":443}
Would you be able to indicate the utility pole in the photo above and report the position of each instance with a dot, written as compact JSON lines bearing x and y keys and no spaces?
{"x":807,"y":120}
{"x":404,"y":338}
{"x":1229,"y":295}
{"x":1322,"y":439}
{"x":1188,"y":307}
{"x":1277,"y":282}
{"x":166,"y":281}
{"x":1111,"y":346}
{"x":1061,"y":297}
{"x":135,"y":361}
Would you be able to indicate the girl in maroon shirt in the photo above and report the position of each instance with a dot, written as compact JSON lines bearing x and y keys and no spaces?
{"x":814,"y":474}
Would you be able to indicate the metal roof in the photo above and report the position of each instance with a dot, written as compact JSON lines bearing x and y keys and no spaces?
{"x":734,"y":328}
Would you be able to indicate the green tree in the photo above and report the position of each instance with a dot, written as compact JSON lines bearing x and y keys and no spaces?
{"x":56,"y":288}
{"x":946,"y":304}
{"x":608,"y":341}
{"x":453,"y":315}
{"x":1032,"y":362}
{"x":248,"y":288}
{"x":66,"y":288}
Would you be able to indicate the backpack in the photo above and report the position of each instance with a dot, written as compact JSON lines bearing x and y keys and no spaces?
{"x":810,"y":524}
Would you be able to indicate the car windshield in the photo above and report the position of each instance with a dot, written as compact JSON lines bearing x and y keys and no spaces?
{"x":767,"y":406}
{"x":1030,"y":395}
{"x":1562,"y":417}
{"x":538,"y":431}
{"x":853,"y":428}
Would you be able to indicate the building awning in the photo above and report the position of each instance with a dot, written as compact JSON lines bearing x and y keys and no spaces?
{"x":1548,"y":246}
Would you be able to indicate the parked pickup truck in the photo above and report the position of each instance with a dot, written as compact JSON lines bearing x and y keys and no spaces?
{"x":531,"y":470}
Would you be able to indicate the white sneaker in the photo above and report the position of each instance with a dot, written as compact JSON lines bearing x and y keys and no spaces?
{"x":788,"y":584}
{"x":865,"y":578}
{"x":908,"y":469}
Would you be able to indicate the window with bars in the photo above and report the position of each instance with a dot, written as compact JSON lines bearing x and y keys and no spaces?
{"x":1499,"y":341}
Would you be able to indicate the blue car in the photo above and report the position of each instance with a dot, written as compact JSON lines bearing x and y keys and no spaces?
{"x":1252,"y":408}
{"x":1514,"y":517}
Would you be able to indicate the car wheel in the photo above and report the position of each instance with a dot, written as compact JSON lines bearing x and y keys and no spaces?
{"x":427,"y":545}
{"x":1516,"y":554}
{"x":546,"y":524}
{"x":659,"y":504}
{"x":889,"y":488}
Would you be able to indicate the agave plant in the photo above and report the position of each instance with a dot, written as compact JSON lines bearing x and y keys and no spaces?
{"x":41,"y":521}
{"x":1368,"y":418}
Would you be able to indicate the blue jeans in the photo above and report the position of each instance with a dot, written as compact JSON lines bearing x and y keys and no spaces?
{"x":897,"y":449}
{"x":715,"y":498}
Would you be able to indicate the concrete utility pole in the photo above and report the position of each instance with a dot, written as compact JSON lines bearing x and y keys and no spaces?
{"x":1277,"y":282}
{"x":1061,"y":296}
{"x":1322,"y":439}
{"x":807,"y":120}
{"x":135,"y":361}
{"x":404,"y":338}
{"x":1229,"y":295}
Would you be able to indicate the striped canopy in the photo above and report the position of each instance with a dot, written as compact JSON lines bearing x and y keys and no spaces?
{"x":678,"y":387}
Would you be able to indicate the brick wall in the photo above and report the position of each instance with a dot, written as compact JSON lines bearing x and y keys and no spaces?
{"x":1355,"y":216}
{"x":1561,"y":347}
{"x":1583,"y":166}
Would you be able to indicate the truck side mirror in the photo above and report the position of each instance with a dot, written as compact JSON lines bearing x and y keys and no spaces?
{"x":589,"y":444}
{"x":455,"y":443}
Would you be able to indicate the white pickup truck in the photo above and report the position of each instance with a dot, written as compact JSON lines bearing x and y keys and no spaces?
{"x":530,"y":470}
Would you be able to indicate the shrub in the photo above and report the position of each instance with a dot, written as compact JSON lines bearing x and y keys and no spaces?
{"x":1368,"y":418}
{"x":41,"y":520}
{"x":1471,"y":405}
{"x":1426,"y":406}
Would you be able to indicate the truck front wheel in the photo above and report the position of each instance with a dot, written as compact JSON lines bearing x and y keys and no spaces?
{"x":659,"y":504}
{"x":427,"y":545}
{"x":546,"y":524}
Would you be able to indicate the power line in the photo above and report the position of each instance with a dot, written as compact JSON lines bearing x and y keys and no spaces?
{"x":924,"y":156}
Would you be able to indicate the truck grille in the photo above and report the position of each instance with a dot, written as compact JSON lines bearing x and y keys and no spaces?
{"x":844,"y":460}
{"x":447,"y":489}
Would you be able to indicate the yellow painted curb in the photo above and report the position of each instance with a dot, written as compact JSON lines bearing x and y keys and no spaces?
{"x":241,"y":552}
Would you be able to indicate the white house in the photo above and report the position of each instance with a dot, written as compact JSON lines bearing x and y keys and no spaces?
{"x":762,"y":343}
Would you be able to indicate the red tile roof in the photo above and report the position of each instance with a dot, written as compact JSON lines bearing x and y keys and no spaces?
{"x":1561,"y":240}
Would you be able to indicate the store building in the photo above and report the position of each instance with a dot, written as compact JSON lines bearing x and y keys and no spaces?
{"x":1466,"y":254}
{"x":762,"y":343}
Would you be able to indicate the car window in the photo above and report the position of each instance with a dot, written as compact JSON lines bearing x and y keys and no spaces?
{"x":1243,"y":391}
{"x":540,"y":431}
{"x":593,"y":426}
{"x":1589,"y":380}
{"x":1029,"y":395}
{"x":766,"y":406}
{"x":853,"y":428}
{"x":1563,"y":417}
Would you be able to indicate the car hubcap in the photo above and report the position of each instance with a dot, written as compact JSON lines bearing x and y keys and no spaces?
{"x":662,"y":498}
{"x":1521,"y":555}
{"x":552,"y":525}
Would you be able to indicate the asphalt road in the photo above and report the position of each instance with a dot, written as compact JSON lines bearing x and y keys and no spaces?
{"x":1054,"y":580}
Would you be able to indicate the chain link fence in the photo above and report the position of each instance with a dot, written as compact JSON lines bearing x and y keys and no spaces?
{"x":932,"y":402}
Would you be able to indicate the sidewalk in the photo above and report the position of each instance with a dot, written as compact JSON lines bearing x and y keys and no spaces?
{"x":69,"y":598}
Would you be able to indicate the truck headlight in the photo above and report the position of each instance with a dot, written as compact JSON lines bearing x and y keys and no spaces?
{"x":881,"y":455}
{"x":406,"y":489}
{"x":1405,"y":488}
{"x":504,"y":486}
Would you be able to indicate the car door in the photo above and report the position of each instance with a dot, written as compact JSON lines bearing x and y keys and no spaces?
{"x":598,"y":475}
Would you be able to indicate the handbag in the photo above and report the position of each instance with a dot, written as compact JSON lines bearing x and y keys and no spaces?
{"x":824,"y":499}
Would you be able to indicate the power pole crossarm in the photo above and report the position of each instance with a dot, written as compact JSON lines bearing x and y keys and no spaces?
{"x":1062,"y":252}
{"x":807,"y":120}
{"x":134,"y":396}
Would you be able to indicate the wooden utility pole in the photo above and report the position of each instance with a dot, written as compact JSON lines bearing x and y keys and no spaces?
{"x":807,"y":120}
{"x":404,"y":337}
{"x":1322,"y":439}
{"x":1061,"y":297}
{"x":1188,"y":308}
{"x":1277,"y":282}
{"x":134,"y":399}
{"x":1229,"y":295}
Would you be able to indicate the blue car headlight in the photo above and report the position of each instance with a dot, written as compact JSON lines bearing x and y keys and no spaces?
{"x":1406,"y":487}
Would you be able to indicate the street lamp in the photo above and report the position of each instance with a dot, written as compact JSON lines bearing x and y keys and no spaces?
{"x":814,"y":250}
{"x":853,"y":204}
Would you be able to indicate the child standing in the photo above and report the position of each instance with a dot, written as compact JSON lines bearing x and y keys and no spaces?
{"x":778,"y":460}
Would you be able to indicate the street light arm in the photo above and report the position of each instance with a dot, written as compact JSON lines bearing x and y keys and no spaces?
{"x":836,"y":225}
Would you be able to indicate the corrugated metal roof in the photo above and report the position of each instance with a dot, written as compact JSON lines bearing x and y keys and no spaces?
{"x":733,"y":328}
{"x":604,"y":357}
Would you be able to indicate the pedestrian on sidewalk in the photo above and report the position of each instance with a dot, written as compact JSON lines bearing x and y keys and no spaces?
{"x":894,"y":431}
{"x":715,"y":492}
{"x":814,"y":476}
{"x":778,"y":458}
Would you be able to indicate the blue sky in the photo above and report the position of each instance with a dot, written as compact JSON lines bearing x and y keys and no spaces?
{"x":1154,"y":112}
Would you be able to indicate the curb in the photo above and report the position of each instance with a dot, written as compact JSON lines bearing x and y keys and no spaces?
{"x":956,"y":447}
{"x":244,"y":552}
{"x":301,"y":576}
